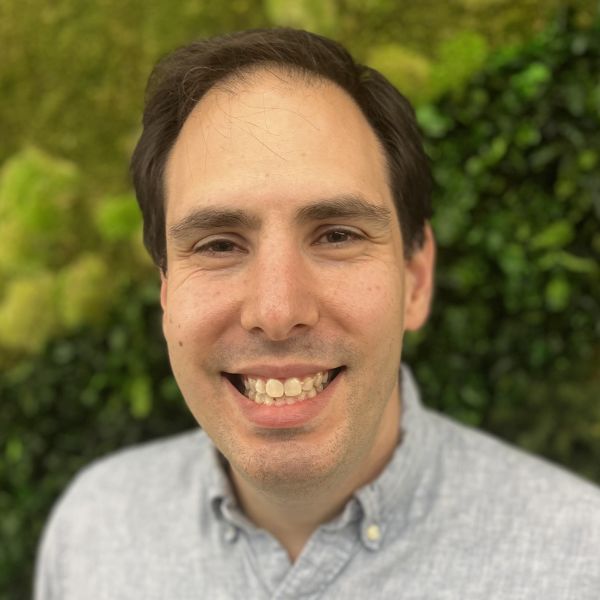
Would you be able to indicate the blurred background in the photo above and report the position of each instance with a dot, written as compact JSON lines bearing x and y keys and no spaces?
{"x":508,"y":96}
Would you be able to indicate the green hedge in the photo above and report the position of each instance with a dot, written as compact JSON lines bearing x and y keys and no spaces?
{"x":65,"y":256}
{"x":512,"y":344}
{"x":86,"y":395}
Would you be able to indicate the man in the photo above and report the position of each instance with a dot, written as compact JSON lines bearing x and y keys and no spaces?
{"x":285,"y":195}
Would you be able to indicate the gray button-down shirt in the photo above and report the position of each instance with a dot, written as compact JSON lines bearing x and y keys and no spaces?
{"x":455,"y":515}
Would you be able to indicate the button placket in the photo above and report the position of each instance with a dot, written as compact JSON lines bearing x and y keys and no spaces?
{"x":326,"y":554}
{"x":371,"y":528}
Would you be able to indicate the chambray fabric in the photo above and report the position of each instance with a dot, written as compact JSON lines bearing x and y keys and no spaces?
{"x":461,"y":516}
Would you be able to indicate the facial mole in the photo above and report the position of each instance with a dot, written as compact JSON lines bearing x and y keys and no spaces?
{"x":180,"y":343}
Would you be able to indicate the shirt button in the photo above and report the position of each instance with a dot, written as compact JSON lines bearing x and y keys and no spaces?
{"x":230,"y":534}
{"x":373,"y":533}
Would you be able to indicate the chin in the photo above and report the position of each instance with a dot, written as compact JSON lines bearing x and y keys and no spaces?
{"x":293,"y":467}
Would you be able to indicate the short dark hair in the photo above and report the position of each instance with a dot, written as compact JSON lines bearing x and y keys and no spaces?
{"x":181,"y":79}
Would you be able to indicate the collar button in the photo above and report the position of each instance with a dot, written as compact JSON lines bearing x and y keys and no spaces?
{"x":230,"y":534}
{"x":373,"y":533}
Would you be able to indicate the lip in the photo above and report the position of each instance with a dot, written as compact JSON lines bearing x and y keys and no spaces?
{"x":288,"y":416}
{"x":265,"y":371}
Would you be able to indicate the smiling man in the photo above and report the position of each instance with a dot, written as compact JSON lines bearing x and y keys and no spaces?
{"x":285,"y":195}
{"x":286,"y":293}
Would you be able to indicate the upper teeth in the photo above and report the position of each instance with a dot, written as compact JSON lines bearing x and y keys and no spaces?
{"x":288,"y":391}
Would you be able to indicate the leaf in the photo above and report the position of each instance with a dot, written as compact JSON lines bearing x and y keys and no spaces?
{"x":28,"y":313}
{"x":577,"y":264}
{"x":557,"y":294}
{"x":588,"y":159}
{"x":458,"y":59}
{"x":118,"y":218}
{"x":531,"y":82}
{"x":408,"y":70}
{"x":556,"y":235}
{"x":34,"y":185}
{"x":140,"y":395}
{"x":313,"y":15}
{"x":87,"y":289}
{"x":434,"y":123}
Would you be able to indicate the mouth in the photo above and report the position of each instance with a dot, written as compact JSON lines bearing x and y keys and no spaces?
{"x":282,"y":392}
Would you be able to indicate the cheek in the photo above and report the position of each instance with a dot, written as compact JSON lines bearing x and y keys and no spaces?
{"x":195,"y":313}
{"x":369,"y":302}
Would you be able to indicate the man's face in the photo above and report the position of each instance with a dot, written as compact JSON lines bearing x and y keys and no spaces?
{"x":284,"y":261}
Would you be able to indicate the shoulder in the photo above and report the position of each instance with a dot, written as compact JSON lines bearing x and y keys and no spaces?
{"x":135,"y":479}
{"x":490,"y":460}
{"x":531,"y":523}
{"x":168,"y":457}
{"x":121,"y":505}
{"x":526,"y":501}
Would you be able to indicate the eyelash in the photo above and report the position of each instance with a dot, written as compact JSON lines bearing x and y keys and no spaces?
{"x":208,"y":248}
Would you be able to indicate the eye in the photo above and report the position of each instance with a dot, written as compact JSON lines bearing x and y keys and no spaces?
{"x":339,"y":236}
{"x":216,"y":247}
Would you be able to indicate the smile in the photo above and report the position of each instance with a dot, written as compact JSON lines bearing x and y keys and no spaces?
{"x":282,"y":392}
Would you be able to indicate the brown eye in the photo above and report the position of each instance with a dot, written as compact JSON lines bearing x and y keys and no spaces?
{"x":222,"y":246}
{"x":216,"y":247}
{"x":338,"y":236}
{"x":335,"y":237}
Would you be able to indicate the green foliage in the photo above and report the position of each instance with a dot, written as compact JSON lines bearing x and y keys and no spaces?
{"x":458,"y":58}
{"x":320,"y":16}
{"x":409,"y":71}
{"x":72,"y":80}
{"x":28,"y":314}
{"x":55,"y":275}
{"x":87,"y":291}
{"x":423,"y":78}
{"x":118,"y":218}
{"x":36,"y":193}
{"x":73,"y":75}
{"x":512,"y":344}
{"x":85,"y":395}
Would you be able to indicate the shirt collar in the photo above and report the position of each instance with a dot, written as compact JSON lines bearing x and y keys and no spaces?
{"x":387,"y":502}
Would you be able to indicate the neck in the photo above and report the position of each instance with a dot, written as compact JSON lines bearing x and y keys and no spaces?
{"x":292,"y":515}
{"x":290,"y":518}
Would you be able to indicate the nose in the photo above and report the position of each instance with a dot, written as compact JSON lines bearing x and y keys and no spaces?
{"x":280,"y":299}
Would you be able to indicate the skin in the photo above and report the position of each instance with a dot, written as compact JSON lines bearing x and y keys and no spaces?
{"x":277,"y":289}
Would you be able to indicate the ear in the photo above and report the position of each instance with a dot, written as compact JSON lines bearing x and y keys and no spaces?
{"x":419,"y":283}
{"x":163,"y":300}
{"x":163,"y":290}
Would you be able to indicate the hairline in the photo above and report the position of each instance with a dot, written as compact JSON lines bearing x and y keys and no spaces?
{"x":230,"y":84}
{"x":173,"y":93}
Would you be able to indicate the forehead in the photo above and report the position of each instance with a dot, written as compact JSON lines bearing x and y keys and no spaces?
{"x":274,"y":139}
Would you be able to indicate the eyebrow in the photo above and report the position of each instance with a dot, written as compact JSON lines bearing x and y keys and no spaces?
{"x":212,"y":218}
{"x":345,"y":207}
{"x":341,"y":207}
